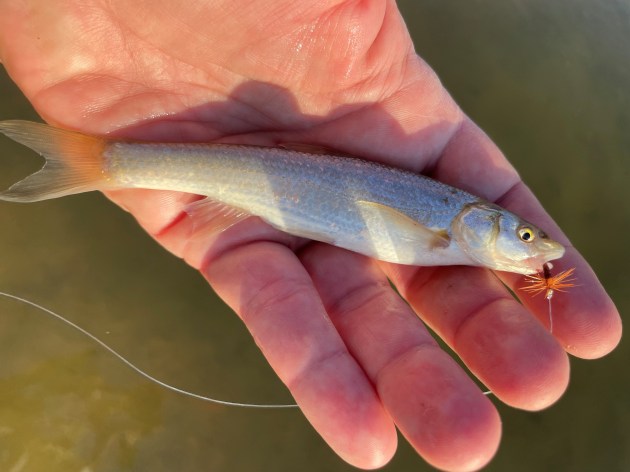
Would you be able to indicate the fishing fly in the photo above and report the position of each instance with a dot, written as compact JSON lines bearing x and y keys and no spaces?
{"x":544,"y":282}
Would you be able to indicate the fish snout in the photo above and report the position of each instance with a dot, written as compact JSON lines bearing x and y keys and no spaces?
{"x":546,"y":250}
{"x":550,"y":249}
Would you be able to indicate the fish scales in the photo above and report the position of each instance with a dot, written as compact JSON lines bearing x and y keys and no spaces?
{"x":309,"y":194}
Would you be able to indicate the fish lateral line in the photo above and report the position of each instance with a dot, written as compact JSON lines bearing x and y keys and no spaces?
{"x":137,"y":369}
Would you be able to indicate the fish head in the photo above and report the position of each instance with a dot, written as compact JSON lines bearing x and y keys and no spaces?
{"x":500,"y":240}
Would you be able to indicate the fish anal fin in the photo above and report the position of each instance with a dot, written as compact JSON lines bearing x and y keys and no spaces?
{"x":211,"y":216}
{"x":405,"y":227}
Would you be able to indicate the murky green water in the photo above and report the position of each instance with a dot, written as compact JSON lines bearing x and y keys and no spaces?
{"x":549,"y":81}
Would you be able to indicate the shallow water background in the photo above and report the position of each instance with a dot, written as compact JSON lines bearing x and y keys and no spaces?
{"x":548,"y":81}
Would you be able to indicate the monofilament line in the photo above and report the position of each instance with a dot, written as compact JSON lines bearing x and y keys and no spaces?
{"x":137,"y":369}
{"x":549,"y":295}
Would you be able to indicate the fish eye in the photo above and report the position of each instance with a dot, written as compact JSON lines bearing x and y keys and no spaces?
{"x":526,"y":234}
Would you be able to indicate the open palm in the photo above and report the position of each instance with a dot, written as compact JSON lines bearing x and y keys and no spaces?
{"x":356,"y":357}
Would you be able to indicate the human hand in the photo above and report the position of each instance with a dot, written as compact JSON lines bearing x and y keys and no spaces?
{"x":343,"y":75}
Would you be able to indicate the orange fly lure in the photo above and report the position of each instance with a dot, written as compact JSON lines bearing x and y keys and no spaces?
{"x":544,"y":282}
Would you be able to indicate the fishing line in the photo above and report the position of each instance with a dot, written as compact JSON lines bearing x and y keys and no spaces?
{"x":550,"y":317}
{"x":549,"y":293}
{"x":137,"y":369}
{"x":146,"y":375}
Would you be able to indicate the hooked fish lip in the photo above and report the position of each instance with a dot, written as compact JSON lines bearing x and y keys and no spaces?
{"x":548,"y":251}
{"x":552,"y":250}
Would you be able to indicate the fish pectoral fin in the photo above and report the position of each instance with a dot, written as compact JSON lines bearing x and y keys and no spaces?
{"x":379,"y":217}
{"x":211,"y":216}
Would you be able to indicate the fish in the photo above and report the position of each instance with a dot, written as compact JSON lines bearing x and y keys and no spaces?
{"x":383,"y":212}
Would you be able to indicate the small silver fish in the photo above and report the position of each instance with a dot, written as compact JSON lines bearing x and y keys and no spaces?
{"x":383,"y":212}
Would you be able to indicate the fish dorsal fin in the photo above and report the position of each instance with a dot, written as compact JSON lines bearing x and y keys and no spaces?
{"x":213,"y":216}
{"x":313,"y":149}
{"x":379,"y":216}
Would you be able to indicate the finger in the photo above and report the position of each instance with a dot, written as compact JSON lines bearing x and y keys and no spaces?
{"x":495,"y":336}
{"x":268,"y":287}
{"x":434,"y":403}
{"x":585,"y":320}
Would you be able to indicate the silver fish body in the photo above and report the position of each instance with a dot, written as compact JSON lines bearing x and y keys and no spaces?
{"x":310,"y":195}
{"x":382,"y":212}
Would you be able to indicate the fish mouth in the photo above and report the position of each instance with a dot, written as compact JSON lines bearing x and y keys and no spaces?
{"x":547,"y":251}
{"x":552,"y":250}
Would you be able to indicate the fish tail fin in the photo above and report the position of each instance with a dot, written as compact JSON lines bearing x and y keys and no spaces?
{"x":74,"y":162}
